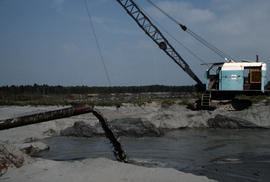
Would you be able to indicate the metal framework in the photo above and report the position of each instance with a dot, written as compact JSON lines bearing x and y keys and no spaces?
{"x":154,"y":33}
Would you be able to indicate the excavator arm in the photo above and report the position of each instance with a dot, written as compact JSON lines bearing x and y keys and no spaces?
{"x":154,"y":33}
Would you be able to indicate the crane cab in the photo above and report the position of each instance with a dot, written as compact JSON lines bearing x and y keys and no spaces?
{"x":236,"y":76}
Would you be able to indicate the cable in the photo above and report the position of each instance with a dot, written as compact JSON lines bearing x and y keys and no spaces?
{"x":178,"y":41}
{"x":97,"y":42}
{"x":164,"y":12}
{"x":196,"y":36}
{"x":210,"y":46}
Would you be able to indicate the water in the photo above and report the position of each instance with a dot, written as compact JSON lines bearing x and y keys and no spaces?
{"x":225,"y":155}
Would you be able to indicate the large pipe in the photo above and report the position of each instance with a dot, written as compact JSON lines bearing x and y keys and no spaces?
{"x":43,"y":117}
{"x":118,"y":151}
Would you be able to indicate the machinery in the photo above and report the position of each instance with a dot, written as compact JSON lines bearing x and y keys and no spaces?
{"x":221,"y":78}
{"x":236,"y":76}
{"x":227,"y":78}
{"x":155,"y":34}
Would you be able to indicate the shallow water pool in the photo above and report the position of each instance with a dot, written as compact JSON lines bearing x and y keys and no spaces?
{"x":225,"y":155}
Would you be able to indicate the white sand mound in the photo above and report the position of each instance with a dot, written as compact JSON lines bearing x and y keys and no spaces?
{"x":95,"y":170}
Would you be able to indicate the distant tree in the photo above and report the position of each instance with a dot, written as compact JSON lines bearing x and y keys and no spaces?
{"x":46,"y":89}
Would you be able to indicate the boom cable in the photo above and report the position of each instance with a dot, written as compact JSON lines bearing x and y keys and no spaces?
{"x":175,"y":39}
{"x":193,"y":34}
{"x":97,"y":42}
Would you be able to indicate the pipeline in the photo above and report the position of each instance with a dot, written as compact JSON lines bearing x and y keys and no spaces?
{"x":118,"y":151}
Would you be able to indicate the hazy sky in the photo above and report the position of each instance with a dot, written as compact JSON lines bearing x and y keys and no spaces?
{"x":50,"y":41}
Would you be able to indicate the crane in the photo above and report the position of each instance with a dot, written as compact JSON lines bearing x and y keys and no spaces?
{"x":155,"y":34}
{"x":223,"y":78}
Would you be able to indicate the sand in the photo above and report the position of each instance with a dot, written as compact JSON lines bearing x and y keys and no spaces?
{"x":95,"y":170}
{"x":173,"y":117}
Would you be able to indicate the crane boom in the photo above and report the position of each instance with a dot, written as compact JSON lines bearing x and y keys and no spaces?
{"x":154,"y":33}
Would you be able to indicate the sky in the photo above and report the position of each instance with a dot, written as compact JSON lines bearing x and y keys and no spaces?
{"x":51,"y":41}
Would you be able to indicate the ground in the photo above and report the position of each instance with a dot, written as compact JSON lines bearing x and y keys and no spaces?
{"x":171,"y":117}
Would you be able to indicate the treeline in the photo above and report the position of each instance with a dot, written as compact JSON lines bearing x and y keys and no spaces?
{"x":46,"y":89}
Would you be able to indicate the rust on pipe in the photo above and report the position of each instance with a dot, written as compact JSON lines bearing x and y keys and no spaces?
{"x":45,"y":116}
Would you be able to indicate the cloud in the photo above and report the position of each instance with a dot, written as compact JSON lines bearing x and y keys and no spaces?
{"x":239,"y":27}
{"x":182,"y":11}
{"x":59,"y":2}
{"x":243,"y":27}
{"x":111,"y":26}
{"x":58,"y":5}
